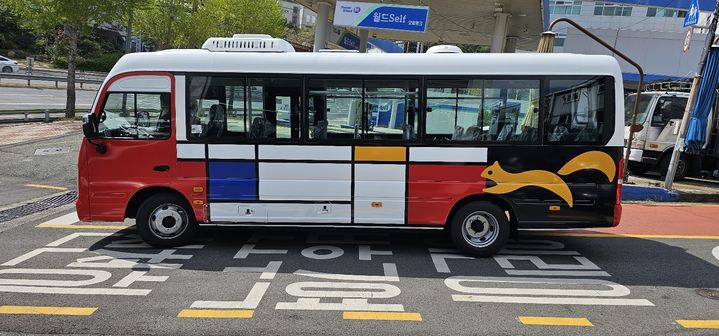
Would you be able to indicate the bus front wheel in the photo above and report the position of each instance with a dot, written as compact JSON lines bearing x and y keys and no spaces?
{"x":165,"y":220}
{"x":480,"y":229}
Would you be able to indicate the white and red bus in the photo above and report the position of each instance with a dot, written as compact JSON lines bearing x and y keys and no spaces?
{"x":246,"y":132}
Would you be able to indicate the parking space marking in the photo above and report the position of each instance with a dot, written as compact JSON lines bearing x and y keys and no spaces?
{"x":216,"y":313}
{"x":699,"y":324}
{"x":555,"y":321}
{"x":45,"y":186}
{"x":619,"y":235}
{"x":84,"y":227}
{"x":39,"y":310}
{"x":381,"y":316}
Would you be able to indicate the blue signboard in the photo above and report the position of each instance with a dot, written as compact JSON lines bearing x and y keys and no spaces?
{"x":692,"y":17}
{"x":381,"y":16}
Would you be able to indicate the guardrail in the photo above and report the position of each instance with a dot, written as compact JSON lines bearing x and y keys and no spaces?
{"x":45,"y":78}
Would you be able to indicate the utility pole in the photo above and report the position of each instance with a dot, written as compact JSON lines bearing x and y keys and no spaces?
{"x":679,"y":144}
{"x":128,"y":39}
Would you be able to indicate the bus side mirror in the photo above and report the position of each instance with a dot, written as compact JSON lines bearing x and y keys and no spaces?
{"x":89,"y":125}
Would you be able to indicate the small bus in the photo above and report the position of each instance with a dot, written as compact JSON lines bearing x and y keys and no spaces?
{"x":246,"y":132}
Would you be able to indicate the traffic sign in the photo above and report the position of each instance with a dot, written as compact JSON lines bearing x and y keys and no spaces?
{"x":692,"y":17}
{"x":687,"y":40}
{"x":381,"y":16}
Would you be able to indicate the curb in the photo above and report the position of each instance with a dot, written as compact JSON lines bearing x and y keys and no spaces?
{"x":655,"y":194}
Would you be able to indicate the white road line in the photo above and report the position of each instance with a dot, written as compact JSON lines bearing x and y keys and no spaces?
{"x":250,"y":302}
{"x":557,"y":273}
{"x":38,"y":251}
{"x":552,"y":300}
{"x":68,"y":219}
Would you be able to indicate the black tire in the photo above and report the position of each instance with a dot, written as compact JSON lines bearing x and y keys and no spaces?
{"x":7,"y":69}
{"x":165,"y":231}
{"x":682,"y":167}
{"x":486,"y":222}
{"x":639,"y":169}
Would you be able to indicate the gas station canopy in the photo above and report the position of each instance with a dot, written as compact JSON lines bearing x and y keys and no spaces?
{"x":505,"y":25}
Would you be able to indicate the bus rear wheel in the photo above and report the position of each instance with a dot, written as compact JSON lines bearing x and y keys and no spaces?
{"x":165,"y":220}
{"x":480,"y":229}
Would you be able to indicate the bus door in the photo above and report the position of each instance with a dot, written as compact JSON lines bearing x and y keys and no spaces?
{"x":135,"y":148}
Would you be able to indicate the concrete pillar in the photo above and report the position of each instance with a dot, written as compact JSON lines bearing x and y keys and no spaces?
{"x":500,"y":32}
{"x":364,"y":37}
{"x":510,"y":44}
{"x":322,"y":27}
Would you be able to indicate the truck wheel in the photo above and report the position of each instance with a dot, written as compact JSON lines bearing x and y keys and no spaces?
{"x":166,"y":220}
{"x":479,"y":229}
{"x":638,"y":168}
{"x":682,"y":167}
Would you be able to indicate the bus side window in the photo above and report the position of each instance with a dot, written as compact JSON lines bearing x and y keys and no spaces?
{"x":578,"y":110}
{"x":136,"y":116}
{"x":336,"y":109}
{"x":482,"y":110}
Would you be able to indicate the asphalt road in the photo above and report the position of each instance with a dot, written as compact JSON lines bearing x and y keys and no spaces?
{"x":25,"y":174}
{"x":326,"y":282}
{"x":31,"y":98}
{"x":60,"y":276}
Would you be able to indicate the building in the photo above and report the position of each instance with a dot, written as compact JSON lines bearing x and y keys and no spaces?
{"x":297,"y":15}
{"x":650,"y":32}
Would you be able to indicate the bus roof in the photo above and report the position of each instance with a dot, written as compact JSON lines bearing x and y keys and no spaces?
{"x":199,"y":60}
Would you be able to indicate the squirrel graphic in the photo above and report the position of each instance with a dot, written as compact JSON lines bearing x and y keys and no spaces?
{"x":508,"y":182}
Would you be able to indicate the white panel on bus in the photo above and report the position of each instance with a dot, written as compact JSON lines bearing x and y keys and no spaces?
{"x":142,"y":83}
{"x":329,"y":153}
{"x":180,"y":119}
{"x":447,"y":154}
{"x":379,"y":193}
{"x":305,"y":181}
{"x":242,"y":152}
{"x":308,"y":213}
{"x":190,"y":151}
{"x":238,"y":212}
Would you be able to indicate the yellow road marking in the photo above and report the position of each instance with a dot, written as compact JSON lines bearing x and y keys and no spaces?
{"x":699,"y":324}
{"x":382,"y":316}
{"x":45,"y":186}
{"x":556,"y":321}
{"x":83,"y":227}
{"x":37,"y":310}
{"x":619,"y":235}
{"x":216,"y":313}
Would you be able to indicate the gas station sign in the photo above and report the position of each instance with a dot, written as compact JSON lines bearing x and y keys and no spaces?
{"x":381,"y":16}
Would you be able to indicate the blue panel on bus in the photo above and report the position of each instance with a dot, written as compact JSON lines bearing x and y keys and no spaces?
{"x":232,"y":181}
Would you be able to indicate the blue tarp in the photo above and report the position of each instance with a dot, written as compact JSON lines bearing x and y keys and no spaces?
{"x":696,"y":133}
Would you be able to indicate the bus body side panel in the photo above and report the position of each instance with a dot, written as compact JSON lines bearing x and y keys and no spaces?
{"x":556,"y":186}
{"x":129,"y":166}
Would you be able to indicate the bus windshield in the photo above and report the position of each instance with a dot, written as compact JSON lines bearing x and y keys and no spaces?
{"x":643,"y":108}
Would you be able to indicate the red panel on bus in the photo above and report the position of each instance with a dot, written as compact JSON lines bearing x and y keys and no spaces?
{"x":434,"y":188}
{"x":191,"y":181}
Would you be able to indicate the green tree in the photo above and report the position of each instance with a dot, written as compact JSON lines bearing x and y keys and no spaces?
{"x":188,"y":23}
{"x":75,"y":16}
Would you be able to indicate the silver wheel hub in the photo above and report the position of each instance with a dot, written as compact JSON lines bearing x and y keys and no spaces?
{"x":480,"y":229}
{"x":168,"y":221}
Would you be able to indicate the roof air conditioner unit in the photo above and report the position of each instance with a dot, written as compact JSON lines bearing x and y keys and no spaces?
{"x":248,"y":43}
{"x":444,"y":49}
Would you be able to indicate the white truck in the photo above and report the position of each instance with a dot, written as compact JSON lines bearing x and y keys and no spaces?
{"x":661,"y":108}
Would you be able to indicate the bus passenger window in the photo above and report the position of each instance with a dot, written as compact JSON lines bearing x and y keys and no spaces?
{"x":216,"y":107}
{"x":136,"y":116}
{"x":483,"y":110}
{"x":579,"y":110}
{"x":391,"y":109}
{"x":335,"y":109}
{"x":274,"y":108}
